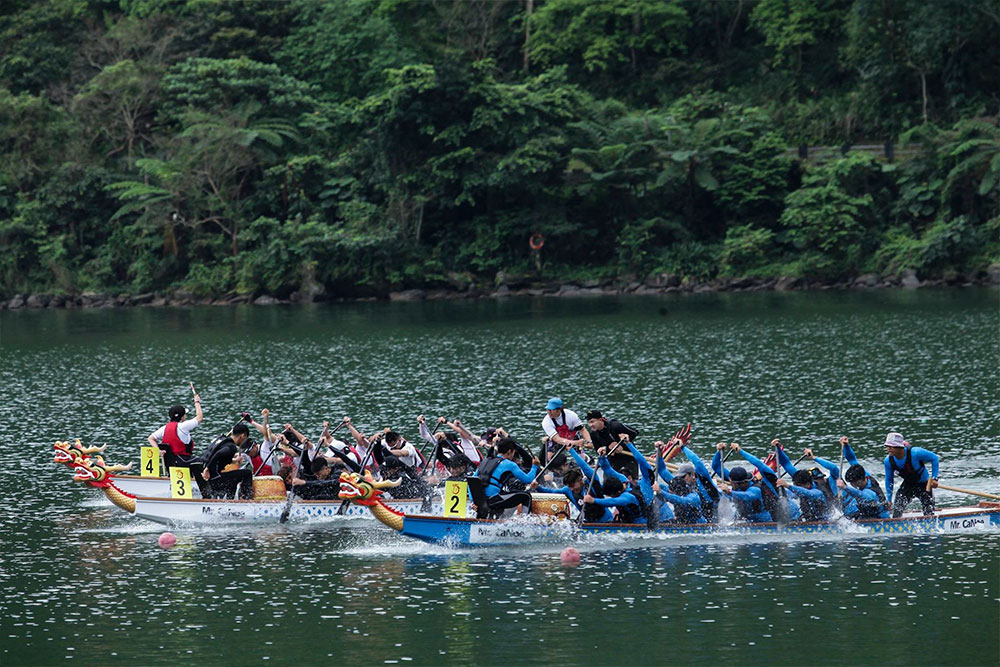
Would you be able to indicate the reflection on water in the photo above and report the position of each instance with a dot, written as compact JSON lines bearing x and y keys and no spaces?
{"x":80,"y":582}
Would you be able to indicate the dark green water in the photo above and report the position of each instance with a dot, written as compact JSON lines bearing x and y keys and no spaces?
{"x":80,"y":582}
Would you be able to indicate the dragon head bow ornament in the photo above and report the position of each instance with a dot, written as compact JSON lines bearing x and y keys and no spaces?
{"x":366,"y":491}
{"x":72,"y":453}
{"x":100,"y":475}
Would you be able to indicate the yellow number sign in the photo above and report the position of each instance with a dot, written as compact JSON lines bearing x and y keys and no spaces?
{"x":180,"y":482}
{"x":456,"y":498}
{"x":150,"y":462}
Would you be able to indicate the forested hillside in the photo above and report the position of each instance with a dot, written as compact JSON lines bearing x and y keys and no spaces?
{"x":353,"y":147}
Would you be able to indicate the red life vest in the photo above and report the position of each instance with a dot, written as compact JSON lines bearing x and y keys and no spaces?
{"x":563,"y":430}
{"x":177,"y":446}
{"x":256,"y":461}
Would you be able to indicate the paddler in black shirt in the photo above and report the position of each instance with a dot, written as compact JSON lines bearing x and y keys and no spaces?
{"x":222,"y":483}
{"x":606,"y":432}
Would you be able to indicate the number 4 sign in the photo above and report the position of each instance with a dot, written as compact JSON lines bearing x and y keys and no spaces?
{"x":150,"y":462}
{"x":180,"y":482}
{"x":456,"y":498}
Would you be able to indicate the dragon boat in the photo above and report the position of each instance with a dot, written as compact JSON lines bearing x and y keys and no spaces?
{"x":267,"y":506}
{"x":548,"y":521}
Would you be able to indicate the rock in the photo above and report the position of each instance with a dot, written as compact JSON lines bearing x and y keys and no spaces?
{"x":568,"y":289}
{"x":123,"y":300}
{"x":910,"y":279}
{"x":786,"y":283}
{"x":703,"y":288}
{"x":866,"y":280}
{"x":408,"y":295}
{"x":993,"y":273}
{"x":158,"y":302}
{"x":265,"y":300}
{"x":181,"y":298}
{"x":142,"y":299}
{"x":37,"y":301}
{"x":90,"y":298}
{"x":502,"y":291}
{"x":56,"y":301}
{"x":742,"y":283}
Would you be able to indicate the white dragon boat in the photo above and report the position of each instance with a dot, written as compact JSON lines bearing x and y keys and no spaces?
{"x":268,"y":505}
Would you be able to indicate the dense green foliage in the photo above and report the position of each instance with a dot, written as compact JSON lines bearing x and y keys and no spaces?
{"x":359,"y":146}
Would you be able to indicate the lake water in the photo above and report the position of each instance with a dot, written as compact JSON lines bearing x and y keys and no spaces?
{"x":80,"y":582}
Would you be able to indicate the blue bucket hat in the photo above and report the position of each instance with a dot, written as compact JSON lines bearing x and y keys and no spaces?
{"x":554,"y":404}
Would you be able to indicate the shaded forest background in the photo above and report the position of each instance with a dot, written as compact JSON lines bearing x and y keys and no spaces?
{"x":352,"y":147}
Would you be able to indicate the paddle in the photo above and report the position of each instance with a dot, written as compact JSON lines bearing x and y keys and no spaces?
{"x":542,"y":471}
{"x":432,"y":463}
{"x":981,"y":494}
{"x":436,"y":427}
{"x":291,"y":493}
{"x":590,"y":484}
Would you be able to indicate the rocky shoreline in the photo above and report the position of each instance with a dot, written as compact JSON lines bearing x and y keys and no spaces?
{"x":654,"y":284}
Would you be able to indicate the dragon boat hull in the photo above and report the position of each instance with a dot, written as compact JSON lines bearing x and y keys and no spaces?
{"x":182,"y":512}
{"x":485,"y":532}
{"x":149,"y":487}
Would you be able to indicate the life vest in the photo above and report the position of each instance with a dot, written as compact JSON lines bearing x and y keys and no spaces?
{"x":877,"y":488}
{"x":563,"y":430}
{"x":171,"y":439}
{"x":773,"y":502}
{"x":485,"y":472}
{"x":632,"y":512}
{"x":750,"y":507}
{"x":710,"y":505}
{"x":909,"y":473}
{"x":259,"y":469}
{"x":650,"y":510}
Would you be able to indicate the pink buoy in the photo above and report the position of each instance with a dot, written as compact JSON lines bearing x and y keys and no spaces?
{"x":167,"y":540}
{"x":570,"y":556}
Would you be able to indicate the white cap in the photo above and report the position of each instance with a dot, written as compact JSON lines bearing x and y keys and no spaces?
{"x":894,"y":440}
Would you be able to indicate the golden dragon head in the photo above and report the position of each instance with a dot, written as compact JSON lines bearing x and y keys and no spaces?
{"x":363,"y":490}
{"x":70,"y":453}
{"x":96,"y":473}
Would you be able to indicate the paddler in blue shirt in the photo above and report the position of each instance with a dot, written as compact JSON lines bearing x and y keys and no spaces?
{"x":616,"y":495}
{"x":817,"y":495}
{"x":909,"y":462}
{"x":574,"y":488}
{"x":682,"y":493}
{"x":858,"y":480}
{"x":592,"y":513}
{"x":746,"y":496}
{"x":782,"y":509}
{"x":496,"y":473}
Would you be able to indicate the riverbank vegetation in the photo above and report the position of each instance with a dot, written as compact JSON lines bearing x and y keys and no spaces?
{"x":353,"y":147}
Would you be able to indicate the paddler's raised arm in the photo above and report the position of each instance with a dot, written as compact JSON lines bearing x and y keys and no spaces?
{"x":359,"y":437}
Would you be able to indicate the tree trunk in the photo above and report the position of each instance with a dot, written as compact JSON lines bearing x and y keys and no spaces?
{"x":923,"y":91}
{"x":529,"y":7}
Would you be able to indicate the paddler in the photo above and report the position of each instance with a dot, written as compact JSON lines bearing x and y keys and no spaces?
{"x":563,"y":426}
{"x":175,"y":441}
{"x":222,"y":483}
{"x":497,"y":473}
{"x":816,"y":494}
{"x":909,"y":462}
{"x":606,"y":432}
{"x":856,"y":503}
{"x":682,"y":493}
